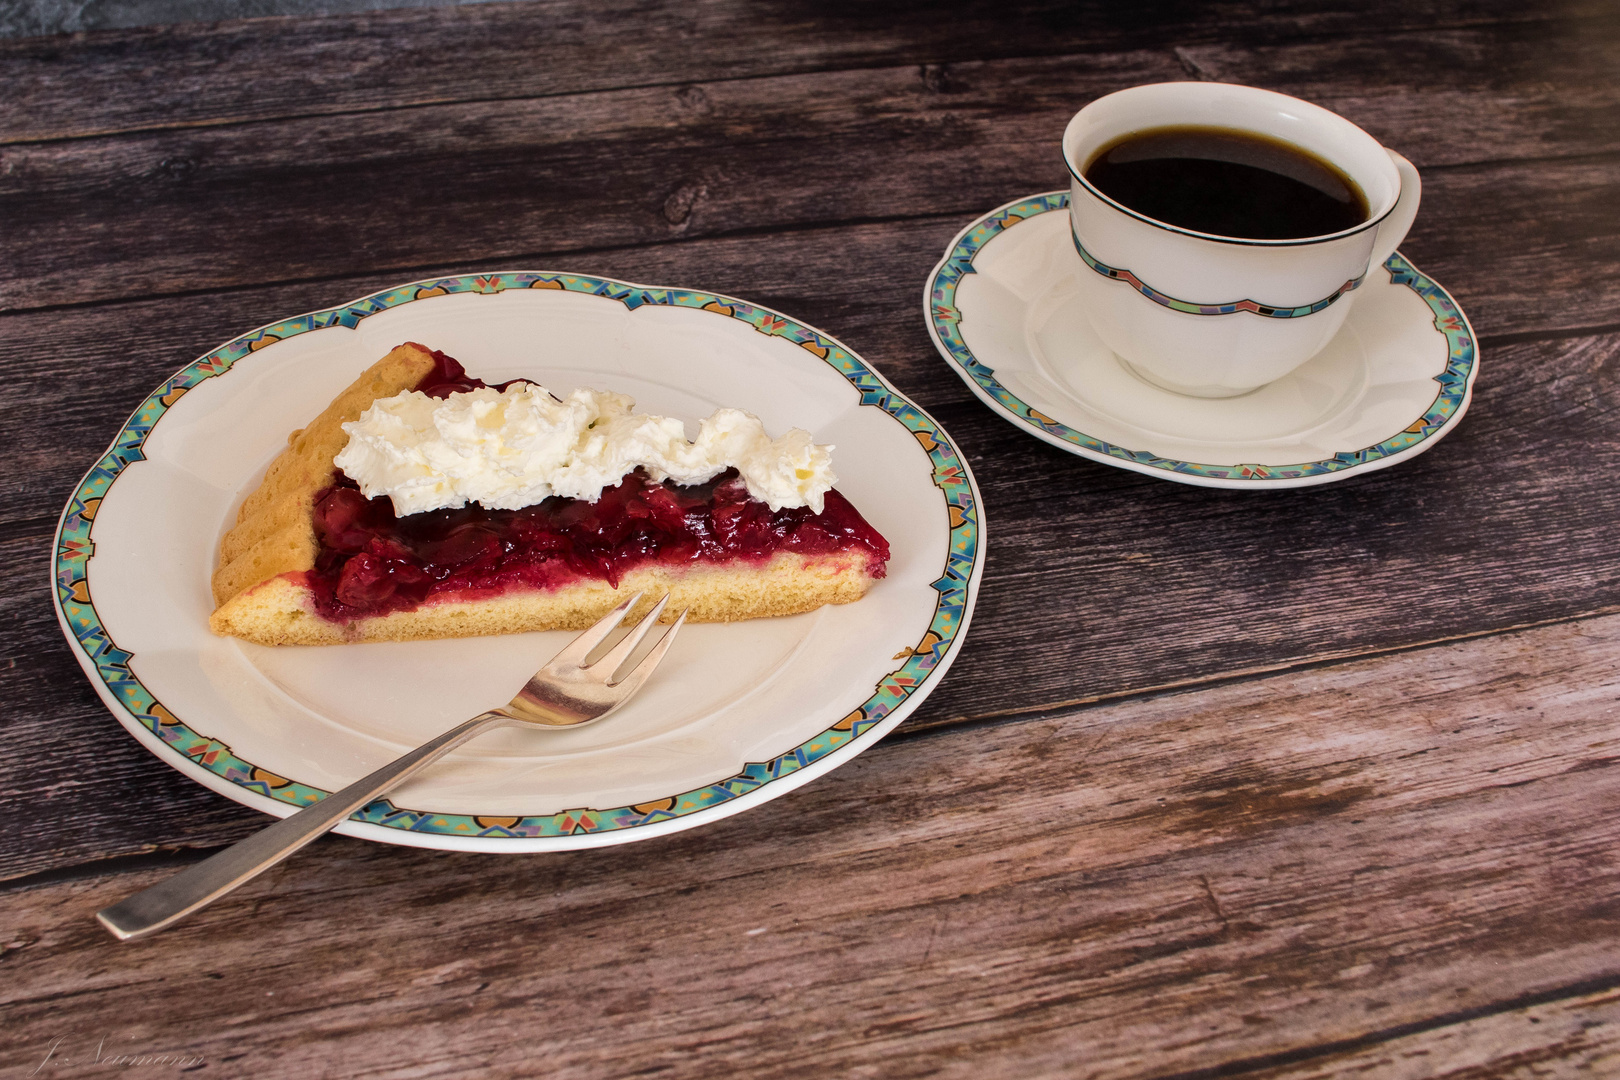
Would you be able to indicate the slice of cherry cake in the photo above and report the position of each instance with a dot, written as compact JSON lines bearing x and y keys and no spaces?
{"x":312,"y":560}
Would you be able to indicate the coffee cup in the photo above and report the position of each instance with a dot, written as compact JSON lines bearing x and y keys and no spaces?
{"x":1214,"y":315}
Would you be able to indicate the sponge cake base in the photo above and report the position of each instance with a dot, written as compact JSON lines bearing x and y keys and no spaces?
{"x":281,"y":610}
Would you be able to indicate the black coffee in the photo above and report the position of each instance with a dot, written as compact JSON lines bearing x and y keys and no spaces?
{"x":1227,"y":182}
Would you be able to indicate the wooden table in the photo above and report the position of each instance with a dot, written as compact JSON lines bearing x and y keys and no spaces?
{"x":1294,"y":783}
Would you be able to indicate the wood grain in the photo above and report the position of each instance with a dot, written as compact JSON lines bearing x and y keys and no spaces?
{"x":1326,"y":859}
{"x":89,"y":84}
{"x":1454,"y":97}
{"x":535,"y":178}
{"x":1522,"y":167}
{"x":1386,"y":858}
{"x":1574,"y":1036}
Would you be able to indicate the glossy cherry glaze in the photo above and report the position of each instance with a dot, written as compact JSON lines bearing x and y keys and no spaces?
{"x":449,"y":377}
{"x":371,"y":562}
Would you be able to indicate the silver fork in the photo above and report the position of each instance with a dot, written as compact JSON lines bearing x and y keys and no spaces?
{"x":566,"y":692}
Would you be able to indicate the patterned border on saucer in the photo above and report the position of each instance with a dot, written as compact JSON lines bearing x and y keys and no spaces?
{"x":75,"y":547}
{"x":1165,"y":300}
{"x":1448,"y":320}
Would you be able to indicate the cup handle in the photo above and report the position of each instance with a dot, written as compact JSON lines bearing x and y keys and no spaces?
{"x":1395,"y":226}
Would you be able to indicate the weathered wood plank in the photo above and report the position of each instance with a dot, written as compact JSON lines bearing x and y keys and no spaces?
{"x":1154,"y":887}
{"x":1370,"y":868}
{"x":1448,"y":98}
{"x":1508,"y":522}
{"x":63,"y":752}
{"x":862,"y":284}
{"x":259,"y":69}
{"x":553,"y":177}
{"x":1219,"y":580}
{"x":1578,"y":1036}
{"x":537,"y":178}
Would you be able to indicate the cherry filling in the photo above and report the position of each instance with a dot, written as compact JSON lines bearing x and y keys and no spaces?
{"x":449,"y":377}
{"x":371,"y":562}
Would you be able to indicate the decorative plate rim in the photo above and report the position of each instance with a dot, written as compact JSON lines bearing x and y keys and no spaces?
{"x":212,"y":761}
{"x":943,"y":317}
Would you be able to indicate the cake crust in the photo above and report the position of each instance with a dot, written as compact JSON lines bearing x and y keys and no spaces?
{"x":281,"y":611}
{"x":261,"y":592}
{"x":274,"y":532}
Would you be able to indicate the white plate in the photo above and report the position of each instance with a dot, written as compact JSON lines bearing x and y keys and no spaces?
{"x":737,"y":714}
{"x":1004,"y":311}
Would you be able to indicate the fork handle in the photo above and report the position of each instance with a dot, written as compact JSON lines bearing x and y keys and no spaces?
{"x":169,"y":901}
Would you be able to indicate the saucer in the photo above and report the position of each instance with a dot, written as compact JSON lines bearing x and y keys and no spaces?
{"x":1004,"y":311}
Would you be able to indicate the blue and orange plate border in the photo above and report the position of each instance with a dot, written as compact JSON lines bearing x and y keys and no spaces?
{"x":108,"y":663}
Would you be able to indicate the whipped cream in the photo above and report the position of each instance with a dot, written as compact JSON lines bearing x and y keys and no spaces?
{"x":510,"y":449}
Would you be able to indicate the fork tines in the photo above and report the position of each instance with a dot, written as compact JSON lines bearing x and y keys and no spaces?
{"x":608,"y":664}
